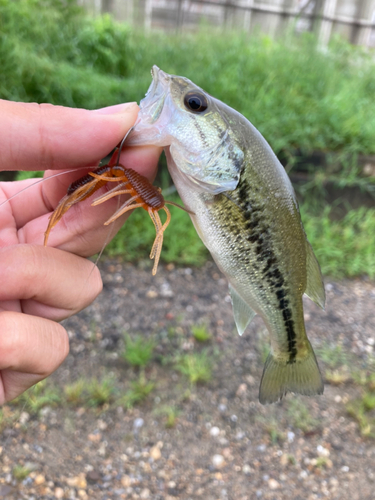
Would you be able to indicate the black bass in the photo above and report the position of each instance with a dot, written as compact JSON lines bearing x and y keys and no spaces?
{"x":244,"y":209}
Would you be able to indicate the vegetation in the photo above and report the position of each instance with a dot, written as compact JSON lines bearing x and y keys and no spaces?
{"x":138,"y":352}
{"x":300,"y":98}
{"x":197,"y":367}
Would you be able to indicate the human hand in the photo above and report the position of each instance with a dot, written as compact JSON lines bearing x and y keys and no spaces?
{"x":43,"y":285}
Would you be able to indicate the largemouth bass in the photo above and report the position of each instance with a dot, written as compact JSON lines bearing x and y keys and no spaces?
{"x":244,"y":209}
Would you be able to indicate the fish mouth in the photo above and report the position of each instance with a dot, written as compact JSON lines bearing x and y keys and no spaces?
{"x":152,"y":104}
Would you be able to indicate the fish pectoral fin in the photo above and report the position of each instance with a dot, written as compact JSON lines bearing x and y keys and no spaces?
{"x":242,"y":312}
{"x":302,"y":376}
{"x":314,"y":286}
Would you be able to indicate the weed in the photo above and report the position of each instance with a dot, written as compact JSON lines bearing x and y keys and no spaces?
{"x":171,"y":414}
{"x":20,"y":472}
{"x":358,"y":411}
{"x":322,"y":463}
{"x":300,"y":417}
{"x":138,"y":351}
{"x":274,"y":431}
{"x":362,"y":408}
{"x":339,"y":376}
{"x":37,"y":397}
{"x":201,"y":333}
{"x":100,"y":392}
{"x":139,"y":391}
{"x":332,"y":355}
{"x":196,"y":367}
{"x":74,"y":392}
{"x":8,"y":417}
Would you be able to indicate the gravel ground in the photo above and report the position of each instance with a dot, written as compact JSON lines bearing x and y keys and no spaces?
{"x":223,"y":444}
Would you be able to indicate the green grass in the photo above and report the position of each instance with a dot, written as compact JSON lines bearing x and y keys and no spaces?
{"x":201,"y":333}
{"x":138,"y":392}
{"x":299,"y":416}
{"x":39,"y":396}
{"x":362,"y":408}
{"x":344,"y":247}
{"x":20,"y":472}
{"x":170,"y":413}
{"x":138,"y":351}
{"x":197,"y":367}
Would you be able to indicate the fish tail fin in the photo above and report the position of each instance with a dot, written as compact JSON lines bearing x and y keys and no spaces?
{"x":302,"y":376}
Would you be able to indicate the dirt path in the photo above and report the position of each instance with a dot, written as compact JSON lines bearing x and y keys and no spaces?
{"x":189,"y":441}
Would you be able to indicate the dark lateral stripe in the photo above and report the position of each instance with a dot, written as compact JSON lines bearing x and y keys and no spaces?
{"x":259,"y":236}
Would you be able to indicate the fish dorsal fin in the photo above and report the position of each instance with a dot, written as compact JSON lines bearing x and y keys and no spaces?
{"x":314,"y":286}
{"x":242,"y":312}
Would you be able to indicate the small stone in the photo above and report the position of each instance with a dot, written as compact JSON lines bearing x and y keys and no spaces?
{"x":151,"y":294}
{"x":284,"y":459}
{"x":5,"y":490}
{"x":126,"y":481}
{"x":291,"y":436}
{"x":145,"y":493}
{"x":77,"y":481}
{"x":338,"y":399}
{"x":155,"y":452}
{"x":247,"y":470}
{"x":102,"y":425}
{"x":82,"y":494}
{"x":214,"y":431}
{"x":218,"y":461}
{"x":94,"y":437}
{"x":59,"y":493}
{"x":344,"y":468}
{"x":93,"y":476}
{"x":241,"y":391}
{"x":322,"y":452}
{"x":39,"y":479}
{"x":273,"y":484}
{"x":262,"y":448}
{"x":24,"y":417}
{"x":138,"y":423}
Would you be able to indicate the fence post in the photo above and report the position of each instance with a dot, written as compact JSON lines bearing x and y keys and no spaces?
{"x":324,"y":9}
{"x":365,"y":12}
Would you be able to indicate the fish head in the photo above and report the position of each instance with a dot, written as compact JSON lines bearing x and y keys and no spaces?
{"x":196,"y":127}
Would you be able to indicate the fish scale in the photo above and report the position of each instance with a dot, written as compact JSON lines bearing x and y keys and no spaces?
{"x":244,"y":209}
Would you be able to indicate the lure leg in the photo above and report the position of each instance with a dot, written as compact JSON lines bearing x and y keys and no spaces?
{"x":158,"y":242}
{"x":83,"y":191}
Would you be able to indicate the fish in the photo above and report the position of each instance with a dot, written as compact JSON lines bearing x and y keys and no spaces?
{"x":245,"y":211}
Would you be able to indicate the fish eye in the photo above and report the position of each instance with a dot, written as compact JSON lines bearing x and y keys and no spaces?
{"x":195,"y":102}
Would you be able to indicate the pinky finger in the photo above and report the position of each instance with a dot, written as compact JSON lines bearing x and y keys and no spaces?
{"x":31,"y":348}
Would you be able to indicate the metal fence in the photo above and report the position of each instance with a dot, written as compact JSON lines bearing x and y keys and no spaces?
{"x":352,"y":19}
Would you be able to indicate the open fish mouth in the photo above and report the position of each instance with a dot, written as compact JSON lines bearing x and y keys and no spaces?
{"x":152,"y":104}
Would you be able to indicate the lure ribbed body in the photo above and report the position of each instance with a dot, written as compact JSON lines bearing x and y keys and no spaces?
{"x":245,"y":211}
{"x":146,"y":192}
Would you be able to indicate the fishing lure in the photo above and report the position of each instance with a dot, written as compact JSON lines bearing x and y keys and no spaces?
{"x":142,"y":195}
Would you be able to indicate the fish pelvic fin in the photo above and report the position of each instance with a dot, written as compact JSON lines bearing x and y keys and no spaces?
{"x":314,"y":286}
{"x":242,"y":312}
{"x":301,"y":376}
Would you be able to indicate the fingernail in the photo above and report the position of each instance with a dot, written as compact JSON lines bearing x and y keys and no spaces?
{"x":115,"y":110}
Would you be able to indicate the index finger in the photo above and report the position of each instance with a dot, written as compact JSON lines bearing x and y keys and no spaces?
{"x":43,"y":136}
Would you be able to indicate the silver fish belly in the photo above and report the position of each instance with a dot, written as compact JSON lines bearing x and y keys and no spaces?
{"x":245,"y":211}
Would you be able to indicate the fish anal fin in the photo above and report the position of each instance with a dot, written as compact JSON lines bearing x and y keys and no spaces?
{"x":280,"y":377}
{"x":242,"y":312}
{"x":314,"y":286}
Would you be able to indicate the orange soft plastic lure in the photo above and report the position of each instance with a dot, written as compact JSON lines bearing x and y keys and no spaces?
{"x":142,"y":195}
